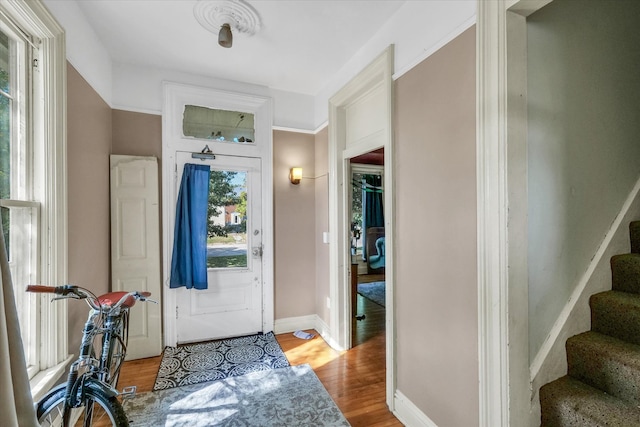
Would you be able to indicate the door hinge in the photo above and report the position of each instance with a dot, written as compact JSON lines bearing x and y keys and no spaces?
{"x":35,"y":63}
{"x":176,"y":312}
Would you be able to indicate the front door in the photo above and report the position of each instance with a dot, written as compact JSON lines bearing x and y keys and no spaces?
{"x":232,"y":303}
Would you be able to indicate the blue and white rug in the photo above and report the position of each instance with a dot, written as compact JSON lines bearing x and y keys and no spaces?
{"x":292,"y":396}
{"x":216,"y":360}
{"x":375,"y":291}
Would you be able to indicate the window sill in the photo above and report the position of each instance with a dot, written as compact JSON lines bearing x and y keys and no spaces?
{"x":44,"y":380}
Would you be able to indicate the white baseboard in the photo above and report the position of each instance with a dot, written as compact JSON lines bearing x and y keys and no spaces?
{"x":409,"y":414}
{"x":312,"y":321}
{"x":292,"y":324}
{"x":550,"y":362}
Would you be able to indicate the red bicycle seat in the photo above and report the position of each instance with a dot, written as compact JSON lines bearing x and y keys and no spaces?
{"x":113,"y":297}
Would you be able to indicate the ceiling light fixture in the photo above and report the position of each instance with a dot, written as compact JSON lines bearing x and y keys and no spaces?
{"x":225,"y":36}
{"x":221,"y":17}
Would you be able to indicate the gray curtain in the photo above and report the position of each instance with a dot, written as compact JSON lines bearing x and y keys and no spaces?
{"x":16,"y":405}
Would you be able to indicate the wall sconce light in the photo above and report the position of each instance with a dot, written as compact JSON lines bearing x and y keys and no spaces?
{"x":295,"y":175}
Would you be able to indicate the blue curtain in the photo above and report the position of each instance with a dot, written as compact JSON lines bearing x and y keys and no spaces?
{"x":372,"y":210}
{"x":189,"y":260}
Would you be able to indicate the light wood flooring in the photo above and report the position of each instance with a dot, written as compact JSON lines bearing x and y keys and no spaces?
{"x":355,"y":379}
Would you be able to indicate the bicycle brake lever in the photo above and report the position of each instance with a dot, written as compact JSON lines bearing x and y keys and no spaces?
{"x":150,"y":300}
{"x":74,"y":296}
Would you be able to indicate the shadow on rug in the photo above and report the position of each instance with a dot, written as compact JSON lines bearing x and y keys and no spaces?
{"x":216,"y":360}
{"x":375,"y":291}
{"x":292,"y":396}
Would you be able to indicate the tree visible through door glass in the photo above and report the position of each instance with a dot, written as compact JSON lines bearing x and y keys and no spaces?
{"x":227,"y":226}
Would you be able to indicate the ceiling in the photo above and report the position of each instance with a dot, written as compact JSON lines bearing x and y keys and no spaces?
{"x":300,"y":46}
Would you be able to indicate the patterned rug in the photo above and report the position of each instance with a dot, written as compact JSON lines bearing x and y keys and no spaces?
{"x":292,"y":396}
{"x":374,"y":291}
{"x":216,"y":360}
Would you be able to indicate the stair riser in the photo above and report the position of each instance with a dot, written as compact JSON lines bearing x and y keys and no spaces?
{"x":614,"y":372}
{"x":618,"y":320}
{"x":625,"y":273}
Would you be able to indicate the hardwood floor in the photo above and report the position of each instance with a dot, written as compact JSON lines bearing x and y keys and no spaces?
{"x":355,"y":379}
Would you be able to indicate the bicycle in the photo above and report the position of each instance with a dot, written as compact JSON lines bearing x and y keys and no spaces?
{"x":89,"y":392}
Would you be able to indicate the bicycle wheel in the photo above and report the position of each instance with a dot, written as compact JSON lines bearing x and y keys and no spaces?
{"x":98,"y":410}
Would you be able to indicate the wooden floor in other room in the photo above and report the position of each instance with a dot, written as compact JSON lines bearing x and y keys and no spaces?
{"x":355,"y":379}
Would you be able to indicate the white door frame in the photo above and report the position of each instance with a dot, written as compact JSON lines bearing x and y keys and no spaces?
{"x":375,"y":82}
{"x":176,"y":96}
{"x":503,"y":336}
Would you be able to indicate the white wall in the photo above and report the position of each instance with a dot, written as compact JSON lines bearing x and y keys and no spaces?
{"x":584,"y":144}
{"x":85,"y":51}
{"x":139,"y":88}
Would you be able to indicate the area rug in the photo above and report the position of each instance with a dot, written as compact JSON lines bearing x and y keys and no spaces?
{"x":216,"y":360}
{"x":373,"y":291}
{"x":292,"y":396}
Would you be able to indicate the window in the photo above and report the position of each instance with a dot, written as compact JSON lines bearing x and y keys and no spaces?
{"x":32,"y":178}
{"x":19,"y":206}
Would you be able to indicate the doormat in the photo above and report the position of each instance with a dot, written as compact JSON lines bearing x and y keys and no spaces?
{"x":216,"y":360}
{"x":292,"y":396}
{"x":375,"y":291}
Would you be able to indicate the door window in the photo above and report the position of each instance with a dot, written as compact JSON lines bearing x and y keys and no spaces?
{"x":227,"y":226}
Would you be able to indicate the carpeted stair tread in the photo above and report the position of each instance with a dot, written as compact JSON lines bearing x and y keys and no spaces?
{"x":625,"y":273}
{"x":634,"y":232}
{"x":606,"y":363}
{"x":616,"y":314}
{"x":568,"y":402}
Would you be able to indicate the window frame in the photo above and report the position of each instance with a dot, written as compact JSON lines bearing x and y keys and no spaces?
{"x":48,"y":130}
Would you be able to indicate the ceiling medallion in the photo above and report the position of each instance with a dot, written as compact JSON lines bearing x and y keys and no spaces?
{"x":213,"y":14}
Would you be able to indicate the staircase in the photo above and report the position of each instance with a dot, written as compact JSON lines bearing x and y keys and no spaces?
{"x":602,"y":387}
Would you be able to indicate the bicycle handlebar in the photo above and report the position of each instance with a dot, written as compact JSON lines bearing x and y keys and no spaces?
{"x":92,"y":300}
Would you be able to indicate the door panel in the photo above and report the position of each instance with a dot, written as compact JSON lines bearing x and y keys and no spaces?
{"x":135,"y":247}
{"x":232,"y":303}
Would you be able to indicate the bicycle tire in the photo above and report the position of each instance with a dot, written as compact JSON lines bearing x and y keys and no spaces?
{"x":104,"y":410}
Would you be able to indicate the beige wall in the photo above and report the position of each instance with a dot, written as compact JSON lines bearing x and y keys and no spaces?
{"x":435,"y":195}
{"x":136,"y":134}
{"x":88,"y":147}
{"x":294,"y":217}
{"x":322,"y":222}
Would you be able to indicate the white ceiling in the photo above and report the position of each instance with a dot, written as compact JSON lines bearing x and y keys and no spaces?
{"x":301,"y":44}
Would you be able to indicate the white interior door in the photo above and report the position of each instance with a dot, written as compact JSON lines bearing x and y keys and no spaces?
{"x":135,"y":247}
{"x":232,"y":303}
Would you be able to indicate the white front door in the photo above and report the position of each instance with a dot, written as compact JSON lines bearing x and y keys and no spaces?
{"x":135,"y":247}
{"x":232,"y":303}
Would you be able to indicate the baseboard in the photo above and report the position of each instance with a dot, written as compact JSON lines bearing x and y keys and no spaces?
{"x":550,"y":363}
{"x":409,"y":414}
{"x":292,"y":324}
{"x":325,"y":332}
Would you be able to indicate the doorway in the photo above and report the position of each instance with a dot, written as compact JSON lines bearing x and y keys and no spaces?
{"x":360,"y":121}
{"x":367,"y":247}
{"x":195,"y":125}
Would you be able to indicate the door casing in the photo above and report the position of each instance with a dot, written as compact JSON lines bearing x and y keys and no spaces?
{"x":360,"y":121}
{"x":176,"y":97}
